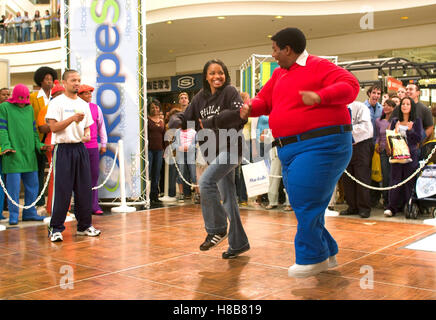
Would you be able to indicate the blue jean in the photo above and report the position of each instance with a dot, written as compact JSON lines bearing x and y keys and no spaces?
{"x":154,"y":167}
{"x":190,"y":170}
{"x":218,"y":183}
{"x":47,"y":31}
{"x":18,"y":33}
{"x":38,"y":30}
{"x":26,"y":34}
{"x":2,"y":36}
{"x":2,"y":193}
{"x":11,"y":34}
{"x":31,"y":186}
{"x":310,"y":170}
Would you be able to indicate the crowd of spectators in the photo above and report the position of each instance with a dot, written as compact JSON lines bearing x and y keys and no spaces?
{"x":24,"y":27}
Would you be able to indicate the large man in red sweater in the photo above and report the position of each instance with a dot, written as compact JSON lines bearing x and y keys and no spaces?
{"x":306,"y":99}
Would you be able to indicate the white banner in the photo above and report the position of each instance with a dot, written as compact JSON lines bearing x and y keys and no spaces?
{"x":104,"y":49}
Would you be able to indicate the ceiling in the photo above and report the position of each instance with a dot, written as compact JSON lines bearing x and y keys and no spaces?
{"x":184,"y":37}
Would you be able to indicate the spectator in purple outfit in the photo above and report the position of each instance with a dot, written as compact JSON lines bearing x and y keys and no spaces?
{"x":382,"y":124}
{"x":98,"y":128}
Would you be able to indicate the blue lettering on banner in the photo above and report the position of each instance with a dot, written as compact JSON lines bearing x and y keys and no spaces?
{"x":108,"y":82}
{"x":105,"y":82}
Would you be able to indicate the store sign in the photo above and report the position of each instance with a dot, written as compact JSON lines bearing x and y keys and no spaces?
{"x":159,"y":85}
{"x":427,"y":82}
{"x":186,"y":82}
{"x":394,"y":84}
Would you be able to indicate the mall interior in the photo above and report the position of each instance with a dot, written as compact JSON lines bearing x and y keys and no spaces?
{"x":152,"y":254}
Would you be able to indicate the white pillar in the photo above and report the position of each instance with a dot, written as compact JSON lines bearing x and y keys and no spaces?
{"x":123,"y":207}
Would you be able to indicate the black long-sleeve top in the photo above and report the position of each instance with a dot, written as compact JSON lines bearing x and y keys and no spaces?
{"x":219,"y":113}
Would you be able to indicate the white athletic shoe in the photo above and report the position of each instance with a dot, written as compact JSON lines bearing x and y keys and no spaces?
{"x":56,"y":237}
{"x":388,"y":213}
{"x":332,"y":262}
{"x":308,"y":270}
{"x":90,"y":232}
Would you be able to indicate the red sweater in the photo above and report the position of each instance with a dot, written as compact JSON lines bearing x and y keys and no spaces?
{"x":288,"y":115}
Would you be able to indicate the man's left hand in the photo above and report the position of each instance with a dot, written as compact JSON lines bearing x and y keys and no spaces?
{"x":310,"y":98}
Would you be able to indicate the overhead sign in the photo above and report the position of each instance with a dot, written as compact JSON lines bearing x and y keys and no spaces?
{"x":159,"y":85}
{"x":186,"y":82}
{"x":394,"y":84}
{"x":430,"y":82}
{"x":104,"y":49}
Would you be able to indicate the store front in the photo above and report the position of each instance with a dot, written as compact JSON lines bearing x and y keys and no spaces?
{"x":167,"y":89}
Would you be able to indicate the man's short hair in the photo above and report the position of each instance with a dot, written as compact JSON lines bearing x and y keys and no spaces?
{"x":292,"y":37}
{"x":373,"y":87}
{"x":183,"y":93}
{"x":4,"y":89}
{"x":416,"y":84}
{"x":67,"y":73}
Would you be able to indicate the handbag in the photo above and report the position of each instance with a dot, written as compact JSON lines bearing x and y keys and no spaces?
{"x":376,"y":173}
{"x":399,"y":148}
{"x":256,"y":178}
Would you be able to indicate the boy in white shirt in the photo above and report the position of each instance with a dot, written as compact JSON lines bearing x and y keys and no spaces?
{"x":69,"y":118}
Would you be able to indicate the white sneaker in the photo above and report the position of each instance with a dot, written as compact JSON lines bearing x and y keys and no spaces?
{"x":90,"y":232}
{"x":332,"y":262}
{"x":388,"y":213}
{"x":56,"y":237}
{"x":304,"y":271}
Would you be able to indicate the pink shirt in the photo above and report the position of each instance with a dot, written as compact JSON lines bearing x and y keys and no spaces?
{"x":98,"y":128}
{"x":186,"y":138}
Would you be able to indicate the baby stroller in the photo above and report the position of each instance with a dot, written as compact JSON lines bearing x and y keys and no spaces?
{"x":423,"y":199}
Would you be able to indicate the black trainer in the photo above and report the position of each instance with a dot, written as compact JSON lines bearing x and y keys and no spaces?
{"x":348,"y":212}
{"x":234,"y":254}
{"x":212,"y":240}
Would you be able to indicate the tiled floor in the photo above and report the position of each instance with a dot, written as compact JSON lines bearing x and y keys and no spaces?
{"x":154,"y":255}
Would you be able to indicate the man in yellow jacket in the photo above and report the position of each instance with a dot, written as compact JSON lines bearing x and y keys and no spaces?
{"x":44,"y":78}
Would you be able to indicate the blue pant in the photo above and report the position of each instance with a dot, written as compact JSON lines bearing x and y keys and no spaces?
{"x":2,"y":193}
{"x":26,"y":34}
{"x":31,"y":186}
{"x":218,"y":183}
{"x":311,"y":169}
{"x":18,"y":32}
{"x":38,"y":29}
{"x":11,"y":34}
{"x":154,"y":167}
{"x":47,"y":31}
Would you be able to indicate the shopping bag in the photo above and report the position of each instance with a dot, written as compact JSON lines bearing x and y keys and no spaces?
{"x":376,"y":174}
{"x":256,"y":178}
{"x":399,"y":148}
